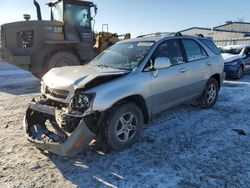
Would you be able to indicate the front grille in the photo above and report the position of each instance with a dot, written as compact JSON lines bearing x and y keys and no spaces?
{"x":56,"y":93}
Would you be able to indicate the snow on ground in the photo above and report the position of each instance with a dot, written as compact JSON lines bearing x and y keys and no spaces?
{"x":182,"y":147}
{"x":6,"y":66}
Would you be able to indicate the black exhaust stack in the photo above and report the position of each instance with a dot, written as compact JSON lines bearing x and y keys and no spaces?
{"x":38,"y":10}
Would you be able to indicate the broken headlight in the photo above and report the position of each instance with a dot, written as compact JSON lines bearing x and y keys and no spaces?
{"x":82,"y":101}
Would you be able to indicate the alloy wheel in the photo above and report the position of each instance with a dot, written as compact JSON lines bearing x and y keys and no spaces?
{"x":126,"y":127}
{"x":211,"y":93}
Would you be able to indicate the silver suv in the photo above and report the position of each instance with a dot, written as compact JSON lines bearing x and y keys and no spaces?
{"x":117,"y":92}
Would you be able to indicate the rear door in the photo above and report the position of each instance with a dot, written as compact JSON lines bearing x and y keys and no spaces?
{"x":169,"y":85}
{"x":199,"y":66}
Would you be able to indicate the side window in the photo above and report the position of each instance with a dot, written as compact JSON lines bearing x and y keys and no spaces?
{"x":170,"y":49}
{"x":211,"y":45}
{"x":247,"y":51}
{"x":193,"y":50}
{"x":77,"y":15}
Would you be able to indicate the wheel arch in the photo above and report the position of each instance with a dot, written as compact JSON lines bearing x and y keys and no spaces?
{"x":217,"y":78}
{"x":140,"y":102}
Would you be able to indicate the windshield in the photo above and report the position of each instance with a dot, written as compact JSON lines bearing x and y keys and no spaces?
{"x":234,"y":51}
{"x":77,"y":15}
{"x":125,"y":56}
{"x":57,"y":12}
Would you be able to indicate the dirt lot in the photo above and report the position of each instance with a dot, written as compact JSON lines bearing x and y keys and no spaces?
{"x":182,"y":147}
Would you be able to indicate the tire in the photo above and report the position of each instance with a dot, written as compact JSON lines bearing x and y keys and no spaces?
{"x":210,"y":94}
{"x":239,"y":73}
{"x":57,"y":59}
{"x":122,"y":125}
{"x":39,"y":75}
{"x":63,"y":58}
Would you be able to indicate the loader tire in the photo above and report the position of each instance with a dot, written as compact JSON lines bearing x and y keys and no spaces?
{"x":63,"y":58}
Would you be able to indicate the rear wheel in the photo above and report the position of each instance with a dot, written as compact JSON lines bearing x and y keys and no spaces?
{"x":210,"y":94}
{"x":123,"y":125}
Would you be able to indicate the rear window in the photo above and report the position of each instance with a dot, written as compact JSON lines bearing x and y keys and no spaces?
{"x":210,"y":45}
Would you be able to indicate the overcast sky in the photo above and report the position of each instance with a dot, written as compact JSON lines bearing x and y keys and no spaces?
{"x":144,"y":16}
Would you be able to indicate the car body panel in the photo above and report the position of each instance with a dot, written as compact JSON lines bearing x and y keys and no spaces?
{"x":71,"y":78}
{"x":135,"y":83}
{"x":229,"y":57}
{"x":169,"y":87}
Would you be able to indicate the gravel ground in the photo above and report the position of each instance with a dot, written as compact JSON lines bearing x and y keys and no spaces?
{"x":182,"y":147}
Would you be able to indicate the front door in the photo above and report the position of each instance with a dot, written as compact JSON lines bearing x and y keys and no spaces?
{"x":169,"y":85}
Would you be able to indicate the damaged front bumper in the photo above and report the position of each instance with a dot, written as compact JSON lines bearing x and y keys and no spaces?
{"x":35,"y":128}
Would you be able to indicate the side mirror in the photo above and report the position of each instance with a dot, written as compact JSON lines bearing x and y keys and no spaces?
{"x":162,"y":63}
{"x":96,"y":9}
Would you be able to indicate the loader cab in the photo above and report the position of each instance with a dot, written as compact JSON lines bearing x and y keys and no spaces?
{"x":74,"y":13}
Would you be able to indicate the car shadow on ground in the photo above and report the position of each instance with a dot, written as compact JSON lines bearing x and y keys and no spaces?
{"x":18,"y":82}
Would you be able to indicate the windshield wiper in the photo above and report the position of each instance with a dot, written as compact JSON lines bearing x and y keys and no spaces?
{"x":109,"y":66}
{"x":105,"y":66}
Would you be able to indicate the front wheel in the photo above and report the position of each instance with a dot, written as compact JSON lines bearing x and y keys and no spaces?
{"x":239,"y":73}
{"x":123,"y":125}
{"x":210,"y":94}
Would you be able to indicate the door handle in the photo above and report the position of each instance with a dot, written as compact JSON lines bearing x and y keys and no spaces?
{"x":183,"y":70}
{"x":209,"y":63}
{"x":155,"y":73}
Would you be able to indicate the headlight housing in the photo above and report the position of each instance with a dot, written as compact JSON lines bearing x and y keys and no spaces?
{"x":82,"y":101}
{"x":234,"y":62}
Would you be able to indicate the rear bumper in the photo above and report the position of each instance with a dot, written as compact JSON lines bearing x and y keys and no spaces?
{"x":75,"y":143}
{"x":19,"y":61}
{"x":222,"y":77}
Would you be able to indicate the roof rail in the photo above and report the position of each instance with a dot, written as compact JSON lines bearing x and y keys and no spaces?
{"x":168,"y":34}
{"x":200,"y":35}
{"x":177,"y":34}
{"x":154,"y":34}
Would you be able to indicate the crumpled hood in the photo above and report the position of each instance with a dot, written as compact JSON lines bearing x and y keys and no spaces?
{"x":72,"y":77}
{"x":230,"y":57}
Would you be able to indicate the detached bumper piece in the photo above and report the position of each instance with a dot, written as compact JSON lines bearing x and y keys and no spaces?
{"x":42,"y":130}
